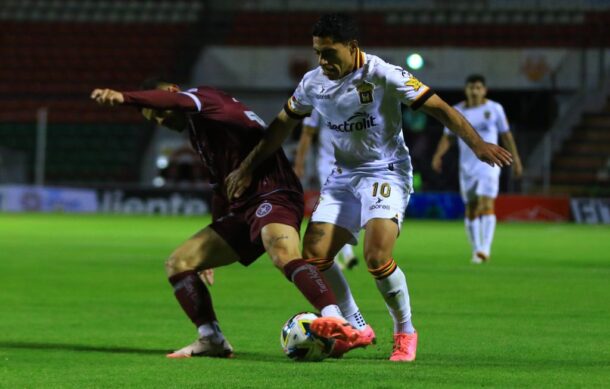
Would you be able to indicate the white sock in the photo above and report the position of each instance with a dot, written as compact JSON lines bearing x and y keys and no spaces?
{"x":488,"y":227}
{"x":211,"y":330}
{"x":473,"y":230}
{"x":347,"y":252}
{"x":335,"y":278}
{"x":394,"y":290}
{"x":331,"y":311}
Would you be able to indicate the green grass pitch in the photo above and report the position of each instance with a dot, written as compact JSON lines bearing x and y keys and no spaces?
{"x":84,"y":303}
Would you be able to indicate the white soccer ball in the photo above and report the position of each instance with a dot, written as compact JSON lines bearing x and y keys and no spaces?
{"x":299,"y":343}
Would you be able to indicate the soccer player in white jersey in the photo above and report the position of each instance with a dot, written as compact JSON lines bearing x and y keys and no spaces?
{"x":359,"y":97}
{"x":479,"y":182}
{"x":325,"y":163}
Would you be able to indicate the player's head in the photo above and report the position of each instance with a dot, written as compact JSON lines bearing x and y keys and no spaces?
{"x":475,"y":89}
{"x":167,"y":118}
{"x":335,"y":41}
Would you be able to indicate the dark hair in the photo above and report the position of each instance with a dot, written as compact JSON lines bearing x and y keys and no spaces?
{"x":475,"y":78}
{"x":338,"y":26}
{"x":153,"y":83}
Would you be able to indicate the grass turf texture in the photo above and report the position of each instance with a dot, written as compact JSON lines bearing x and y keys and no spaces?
{"x":84,"y":303}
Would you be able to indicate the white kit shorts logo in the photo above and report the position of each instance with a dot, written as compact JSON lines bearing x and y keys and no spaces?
{"x":263,"y":210}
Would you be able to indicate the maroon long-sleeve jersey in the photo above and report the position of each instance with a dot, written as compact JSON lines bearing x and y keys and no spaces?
{"x":223,"y":131}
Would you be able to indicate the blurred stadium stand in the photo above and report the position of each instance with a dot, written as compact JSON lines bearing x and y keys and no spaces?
{"x":54,"y":52}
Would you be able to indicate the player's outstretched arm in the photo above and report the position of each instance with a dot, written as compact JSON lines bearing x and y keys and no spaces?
{"x":450,"y":118}
{"x":508,"y":141}
{"x":302,"y":149}
{"x":443,"y":146}
{"x":155,"y":99}
{"x":240,"y":179}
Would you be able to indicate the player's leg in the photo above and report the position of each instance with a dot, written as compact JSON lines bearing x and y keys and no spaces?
{"x":281,"y":242}
{"x":320,"y":244}
{"x":385,"y":196}
{"x":335,"y":222}
{"x":486,"y":210}
{"x":278,"y":228}
{"x":348,"y":257}
{"x":205,"y":250}
{"x":472,"y":223}
{"x":486,"y":192}
{"x":380,"y":238}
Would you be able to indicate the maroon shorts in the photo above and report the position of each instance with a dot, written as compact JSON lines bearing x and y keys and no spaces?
{"x":241,"y":228}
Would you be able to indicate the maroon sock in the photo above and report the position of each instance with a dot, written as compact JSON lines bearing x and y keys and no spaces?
{"x":311,"y":283}
{"x":193,"y":296}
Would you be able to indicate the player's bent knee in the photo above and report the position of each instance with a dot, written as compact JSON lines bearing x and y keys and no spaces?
{"x":376,"y":257}
{"x":177,"y":263}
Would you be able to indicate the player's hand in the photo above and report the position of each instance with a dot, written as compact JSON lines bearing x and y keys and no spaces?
{"x":237,"y":182}
{"x":107,"y":97}
{"x":517,"y":169}
{"x":493,"y":154}
{"x":437,"y":164}
{"x":207,"y":276}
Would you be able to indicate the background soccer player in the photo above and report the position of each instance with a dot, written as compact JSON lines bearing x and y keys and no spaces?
{"x":325,"y":163}
{"x":479,"y":182}
{"x":360,"y":96}
{"x":266,"y":218}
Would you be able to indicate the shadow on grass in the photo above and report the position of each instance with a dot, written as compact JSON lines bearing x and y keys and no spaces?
{"x":80,"y":348}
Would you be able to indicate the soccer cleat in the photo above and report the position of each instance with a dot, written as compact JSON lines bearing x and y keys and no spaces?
{"x":484,"y":257}
{"x":348,"y":336}
{"x":475,"y":259}
{"x":204,"y":347}
{"x":405,"y":347}
{"x":368,"y":332}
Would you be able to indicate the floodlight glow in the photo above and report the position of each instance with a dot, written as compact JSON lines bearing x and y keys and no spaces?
{"x":415,"y":61}
{"x":158,"y":182}
{"x":162,"y":162}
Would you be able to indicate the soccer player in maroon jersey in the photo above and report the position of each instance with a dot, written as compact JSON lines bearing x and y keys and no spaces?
{"x":266,"y":218}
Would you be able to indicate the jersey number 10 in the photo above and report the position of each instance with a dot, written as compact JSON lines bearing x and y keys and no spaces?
{"x":384,"y":190}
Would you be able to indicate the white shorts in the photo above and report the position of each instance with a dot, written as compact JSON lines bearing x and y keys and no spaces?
{"x":475,"y":186}
{"x":352,"y":197}
{"x":324,"y":171}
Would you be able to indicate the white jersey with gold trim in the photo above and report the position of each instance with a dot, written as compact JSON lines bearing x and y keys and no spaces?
{"x":489,"y":121}
{"x":362,"y":110}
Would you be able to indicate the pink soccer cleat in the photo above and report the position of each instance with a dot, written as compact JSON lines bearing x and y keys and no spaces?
{"x":405,"y":347}
{"x":345,"y":335}
{"x":368,"y":332}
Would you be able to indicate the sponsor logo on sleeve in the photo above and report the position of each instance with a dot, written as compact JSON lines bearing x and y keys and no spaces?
{"x":414,"y":83}
{"x":263,"y":209}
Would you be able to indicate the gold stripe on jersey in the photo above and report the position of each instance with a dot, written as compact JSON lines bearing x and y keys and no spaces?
{"x":290,"y":110}
{"x":360,"y":59}
{"x":422,"y":98}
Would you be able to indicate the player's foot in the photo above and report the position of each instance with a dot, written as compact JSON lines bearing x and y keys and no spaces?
{"x":484,"y":257}
{"x":339,"y":329}
{"x":475,"y":259}
{"x":405,"y":347}
{"x":368,"y":332}
{"x":351,"y":263}
{"x":204,"y":347}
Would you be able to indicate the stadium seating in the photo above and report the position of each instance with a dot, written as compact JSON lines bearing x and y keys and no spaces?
{"x":580,"y":167}
{"x":54,"y":53}
{"x":464,"y":28}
